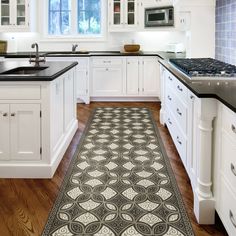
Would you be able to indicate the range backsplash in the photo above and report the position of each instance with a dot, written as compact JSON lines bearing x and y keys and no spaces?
{"x":226,"y":31}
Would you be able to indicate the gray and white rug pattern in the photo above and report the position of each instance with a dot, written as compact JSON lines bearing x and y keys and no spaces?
{"x":120,"y":183}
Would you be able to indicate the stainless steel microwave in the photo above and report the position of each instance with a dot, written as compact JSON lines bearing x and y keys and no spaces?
{"x":162,"y":16}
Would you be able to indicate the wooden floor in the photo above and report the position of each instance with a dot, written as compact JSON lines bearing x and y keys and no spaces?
{"x":25,"y":204}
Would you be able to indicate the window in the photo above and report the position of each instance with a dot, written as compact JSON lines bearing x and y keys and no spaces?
{"x":75,"y":17}
{"x":89,"y":17}
{"x":59,"y":17}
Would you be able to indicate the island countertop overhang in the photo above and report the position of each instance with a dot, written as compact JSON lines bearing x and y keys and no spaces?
{"x":53,"y":70}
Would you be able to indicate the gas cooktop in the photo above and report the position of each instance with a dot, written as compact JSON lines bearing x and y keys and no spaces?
{"x":205,"y":68}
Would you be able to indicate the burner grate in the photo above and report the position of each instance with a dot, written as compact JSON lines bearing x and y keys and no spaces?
{"x":204,"y":67}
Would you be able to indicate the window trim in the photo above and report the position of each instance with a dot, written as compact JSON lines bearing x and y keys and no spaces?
{"x":74,"y":36}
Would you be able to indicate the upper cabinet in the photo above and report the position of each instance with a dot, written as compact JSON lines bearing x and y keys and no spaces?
{"x":123,"y":15}
{"x":14,"y":15}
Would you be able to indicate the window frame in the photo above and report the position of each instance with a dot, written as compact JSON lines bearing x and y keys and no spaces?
{"x":74,"y":35}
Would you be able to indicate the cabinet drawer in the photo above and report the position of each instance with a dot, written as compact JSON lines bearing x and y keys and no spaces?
{"x":177,"y":136}
{"x":181,"y":90}
{"x":228,"y":208}
{"x":170,"y":80}
{"x":178,"y":108}
{"x":10,"y":92}
{"x":106,"y":61}
{"x":228,"y":160}
{"x":229,"y":121}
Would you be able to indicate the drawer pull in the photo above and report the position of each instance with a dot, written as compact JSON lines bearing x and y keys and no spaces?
{"x":178,"y":140}
{"x":13,"y":114}
{"x":191,"y":97}
{"x":233,"y":169}
{"x":169,"y":97}
{"x":178,"y":111}
{"x":106,"y":61}
{"x":4,"y":114}
{"x":231,"y":216}
{"x":169,"y":121}
{"x":233,"y":128}
{"x":170,"y":78}
{"x":179,"y":88}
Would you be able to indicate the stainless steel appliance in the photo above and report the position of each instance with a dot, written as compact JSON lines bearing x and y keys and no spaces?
{"x":205,"y":69}
{"x":161,"y":16}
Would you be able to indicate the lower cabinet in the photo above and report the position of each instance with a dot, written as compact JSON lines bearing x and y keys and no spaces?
{"x":225,"y":169}
{"x":142,"y":76}
{"x":107,"y":81}
{"x":20,"y":132}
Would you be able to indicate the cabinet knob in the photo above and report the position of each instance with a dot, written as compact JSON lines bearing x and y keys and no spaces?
{"x":169,"y":121}
{"x":233,"y":169}
{"x":178,"y":140}
{"x":178,"y":111}
{"x":233,"y":128}
{"x":13,"y":114}
{"x":191,"y":97}
{"x":170,"y":78}
{"x":4,"y":114}
{"x":231,"y":216}
{"x":169,"y":97}
{"x":179,"y":88}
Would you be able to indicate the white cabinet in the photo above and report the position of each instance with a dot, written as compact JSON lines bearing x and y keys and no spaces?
{"x":226,"y":168}
{"x":38,"y":120}
{"x":107,"y":81}
{"x":123,"y":15}
{"x":183,"y":20}
{"x":69,"y":100}
{"x":143,"y":76}
{"x":133,"y":76}
{"x":81,"y":75}
{"x":20,"y":132}
{"x":151,"y":76}
{"x":14,"y":15}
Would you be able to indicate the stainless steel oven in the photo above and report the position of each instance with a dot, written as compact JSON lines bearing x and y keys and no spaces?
{"x":162,"y":16}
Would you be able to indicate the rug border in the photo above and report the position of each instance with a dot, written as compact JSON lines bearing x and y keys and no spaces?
{"x":186,"y":219}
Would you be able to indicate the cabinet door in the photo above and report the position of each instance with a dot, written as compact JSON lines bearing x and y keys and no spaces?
{"x":151,"y":77}
{"x":183,"y":20}
{"x":132,"y":76}
{"x":82,"y":82}
{"x":14,"y":14}
{"x":69,"y":97}
{"x":25,"y":131}
{"x":57,"y":122}
{"x":116,"y":14}
{"x":107,"y":81}
{"x":131,"y":13}
{"x":4,"y":132}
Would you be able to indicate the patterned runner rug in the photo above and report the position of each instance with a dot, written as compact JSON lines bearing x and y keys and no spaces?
{"x":120,"y":182}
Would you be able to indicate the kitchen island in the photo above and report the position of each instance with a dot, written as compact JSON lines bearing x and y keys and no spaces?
{"x":37,"y":117}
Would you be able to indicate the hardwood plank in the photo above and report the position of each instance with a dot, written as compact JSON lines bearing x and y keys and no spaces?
{"x":25,"y":204}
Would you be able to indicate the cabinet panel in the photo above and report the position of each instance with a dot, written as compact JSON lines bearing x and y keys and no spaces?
{"x":4,"y":132}
{"x":132,"y":73}
{"x":107,"y":81}
{"x":151,"y":77}
{"x":25,"y":131}
{"x":57,"y":112}
{"x":69,"y":109}
{"x":82,"y":82}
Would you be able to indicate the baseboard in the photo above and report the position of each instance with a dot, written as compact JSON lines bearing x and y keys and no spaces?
{"x":124,"y":99}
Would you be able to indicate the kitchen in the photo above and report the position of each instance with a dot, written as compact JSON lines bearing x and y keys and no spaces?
{"x":80,"y":151}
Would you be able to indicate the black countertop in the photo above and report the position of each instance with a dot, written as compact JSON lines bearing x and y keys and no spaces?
{"x":224,"y":91}
{"x":53,"y":70}
{"x":161,"y":54}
